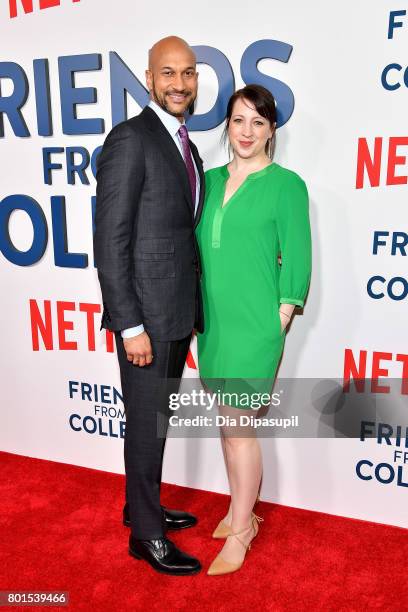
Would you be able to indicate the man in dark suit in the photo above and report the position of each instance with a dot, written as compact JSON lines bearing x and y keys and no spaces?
{"x":150,"y":191}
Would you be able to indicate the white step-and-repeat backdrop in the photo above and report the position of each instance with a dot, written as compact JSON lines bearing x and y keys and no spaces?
{"x":69,"y":70}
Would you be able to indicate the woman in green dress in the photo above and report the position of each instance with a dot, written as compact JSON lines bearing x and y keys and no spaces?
{"x":254,"y":238}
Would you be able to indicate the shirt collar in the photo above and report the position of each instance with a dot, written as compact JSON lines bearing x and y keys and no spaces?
{"x":171,"y":123}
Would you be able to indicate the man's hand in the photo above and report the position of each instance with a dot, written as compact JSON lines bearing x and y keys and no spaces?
{"x":138,"y":349}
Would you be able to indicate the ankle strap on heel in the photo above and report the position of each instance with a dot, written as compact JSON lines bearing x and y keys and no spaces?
{"x":258,"y":519}
{"x":254,"y":517}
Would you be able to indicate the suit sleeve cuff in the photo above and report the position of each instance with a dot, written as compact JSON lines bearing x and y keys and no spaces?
{"x":130,"y":332}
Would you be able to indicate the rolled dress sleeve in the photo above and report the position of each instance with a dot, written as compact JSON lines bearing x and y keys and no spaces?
{"x":294,"y":239}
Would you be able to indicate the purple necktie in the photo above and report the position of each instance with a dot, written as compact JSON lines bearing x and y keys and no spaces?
{"x":188,"y":160}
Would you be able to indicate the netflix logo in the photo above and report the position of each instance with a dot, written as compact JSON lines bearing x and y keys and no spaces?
{"x":365,"y":367}
{"x":385,"y":163}
{"x":60,"y":326}
{"x":21,"y":7}
{"x":72,"y":326}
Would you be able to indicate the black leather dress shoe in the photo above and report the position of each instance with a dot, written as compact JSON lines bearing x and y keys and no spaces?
{"x":164,"y":556}
{"x":174,"y":519}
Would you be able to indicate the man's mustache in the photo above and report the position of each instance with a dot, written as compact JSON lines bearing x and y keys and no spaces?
{"x":179,"y":93}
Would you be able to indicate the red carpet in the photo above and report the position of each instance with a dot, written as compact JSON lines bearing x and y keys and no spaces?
{"x":61,"y":530}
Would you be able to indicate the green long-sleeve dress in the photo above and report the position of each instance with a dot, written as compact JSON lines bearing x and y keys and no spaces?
{"x":243,"y":282}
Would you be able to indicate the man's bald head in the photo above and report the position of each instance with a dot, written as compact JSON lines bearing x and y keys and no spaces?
{"x":171,"y":76}
{"x":167,"y":46}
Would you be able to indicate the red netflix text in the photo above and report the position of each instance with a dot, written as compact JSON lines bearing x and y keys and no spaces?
{"x":48,"y":318}
{"x":369,"y":162}
{"x":28,"y":7}
{"x":52,"y":328}
{"x":366,"y":367}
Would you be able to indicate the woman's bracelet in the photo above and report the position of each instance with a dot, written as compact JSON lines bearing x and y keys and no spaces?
{"x":284,"y":313}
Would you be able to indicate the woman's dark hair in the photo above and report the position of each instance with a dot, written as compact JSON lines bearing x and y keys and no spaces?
{"x":265,"y":106}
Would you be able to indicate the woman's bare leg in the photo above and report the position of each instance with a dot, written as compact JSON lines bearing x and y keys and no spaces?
{"x":244,"y":467}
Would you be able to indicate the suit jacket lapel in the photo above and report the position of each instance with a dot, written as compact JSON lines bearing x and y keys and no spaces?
{"x":199,"y":166}
{"x":169,"y":150}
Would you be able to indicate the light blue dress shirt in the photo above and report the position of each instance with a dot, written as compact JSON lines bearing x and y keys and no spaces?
{"x":172,"y":125}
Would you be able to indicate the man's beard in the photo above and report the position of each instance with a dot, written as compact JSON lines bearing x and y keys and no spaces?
{"x":163,"y":105}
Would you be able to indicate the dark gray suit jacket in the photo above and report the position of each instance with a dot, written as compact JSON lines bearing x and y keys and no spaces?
{"x":144,"y":244}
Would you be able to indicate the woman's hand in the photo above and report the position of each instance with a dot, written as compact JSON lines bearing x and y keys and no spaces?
{"x":285,"y":313}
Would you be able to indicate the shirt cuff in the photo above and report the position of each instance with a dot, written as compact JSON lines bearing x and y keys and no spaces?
{"x":130,"y":332}
{"x":292,"y":301}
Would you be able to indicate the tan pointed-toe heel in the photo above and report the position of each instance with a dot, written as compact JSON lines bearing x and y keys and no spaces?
{"x":219,"y":566}
{"x":222,"y":531}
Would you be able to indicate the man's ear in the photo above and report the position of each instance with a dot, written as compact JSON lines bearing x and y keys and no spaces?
{"x":191,"y":108}
{"x":148,"y":76}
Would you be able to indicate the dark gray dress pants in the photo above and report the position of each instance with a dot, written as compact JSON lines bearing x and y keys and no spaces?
{"x":146,"y":399}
